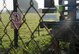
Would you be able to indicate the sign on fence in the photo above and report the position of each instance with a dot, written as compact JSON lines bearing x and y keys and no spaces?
{"x":15,"y":20}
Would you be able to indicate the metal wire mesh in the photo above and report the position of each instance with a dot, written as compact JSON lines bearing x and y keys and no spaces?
{"x":27,"y":43}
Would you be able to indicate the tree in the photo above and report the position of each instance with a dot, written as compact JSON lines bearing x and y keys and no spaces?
{"x":25,"y":4}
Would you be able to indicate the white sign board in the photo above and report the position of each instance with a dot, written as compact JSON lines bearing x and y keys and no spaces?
{"x":51,"y":17}
{"x":15,"y":20}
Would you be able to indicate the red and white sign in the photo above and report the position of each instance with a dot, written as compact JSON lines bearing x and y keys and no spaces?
{"x":15,"y":20}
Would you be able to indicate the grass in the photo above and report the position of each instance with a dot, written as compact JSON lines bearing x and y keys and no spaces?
{"x":41,"y":41}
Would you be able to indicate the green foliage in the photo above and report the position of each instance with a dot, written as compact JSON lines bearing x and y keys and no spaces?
{"x":61,"y":8}
{"x":64,"y":45}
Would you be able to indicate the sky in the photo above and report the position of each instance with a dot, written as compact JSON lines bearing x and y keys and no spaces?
{"x":41,"y":3}
{"x":9,"y":4}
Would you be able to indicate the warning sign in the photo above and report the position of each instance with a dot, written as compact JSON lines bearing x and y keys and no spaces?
{"x":15,"y":20}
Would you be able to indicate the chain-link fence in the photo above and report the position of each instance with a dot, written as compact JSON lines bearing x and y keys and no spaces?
{"x":22,"y":35}
{"x":20,"y":31}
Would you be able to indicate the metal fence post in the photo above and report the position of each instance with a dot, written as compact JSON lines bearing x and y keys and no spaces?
{"x":15,"y":30}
